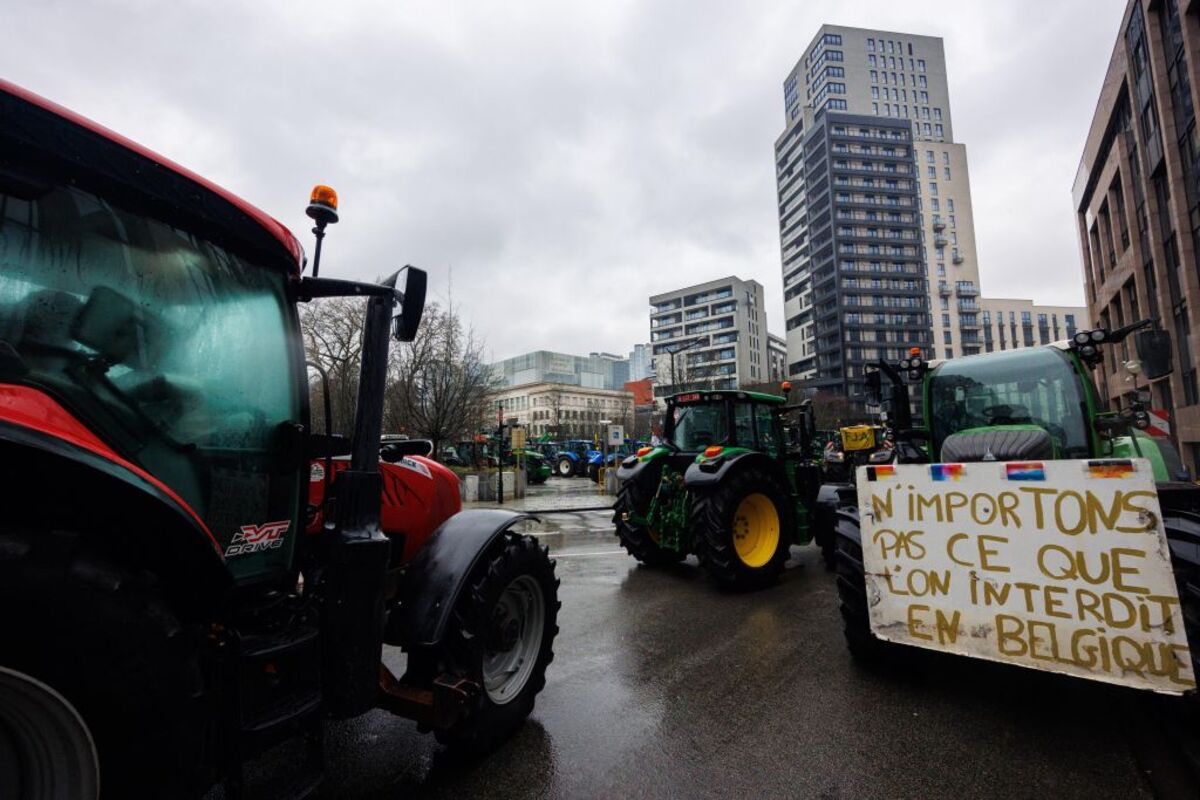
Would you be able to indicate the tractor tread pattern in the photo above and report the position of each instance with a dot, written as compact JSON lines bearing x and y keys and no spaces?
{"x":487,"y":725}
{"x":712,"y":529}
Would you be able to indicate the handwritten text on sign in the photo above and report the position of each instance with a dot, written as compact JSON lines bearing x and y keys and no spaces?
{"x":1056,"y":565}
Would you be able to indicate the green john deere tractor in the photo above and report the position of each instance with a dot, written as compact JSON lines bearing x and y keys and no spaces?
{"x":1030,"y":405}
{"x":725,"y":485}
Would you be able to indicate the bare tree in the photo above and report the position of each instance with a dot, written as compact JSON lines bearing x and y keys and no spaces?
{"x":554,"y":407}
{"x":833,"y":410}
{"x":332,"y":331}
{"x":440,"y":386}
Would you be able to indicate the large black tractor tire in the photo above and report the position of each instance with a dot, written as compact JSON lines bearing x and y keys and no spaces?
{"x":852,"y":594}
{"x":565,"y":468}
{"x":634,"y":498}
{"x":501,"y":638}
{"x":742,"y":529}
{"x":103,"y":639}
{"x":824,"y":520}
{"x":594,"y":472}
{"x":1183,"y":532}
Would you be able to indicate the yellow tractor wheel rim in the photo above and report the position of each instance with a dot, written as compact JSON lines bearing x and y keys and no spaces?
{"x":755,"y":530}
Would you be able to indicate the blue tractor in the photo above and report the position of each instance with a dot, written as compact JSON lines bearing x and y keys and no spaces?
{"x":574,"y":458}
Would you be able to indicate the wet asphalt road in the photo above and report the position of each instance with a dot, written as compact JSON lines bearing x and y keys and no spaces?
{"x":664,"y":687}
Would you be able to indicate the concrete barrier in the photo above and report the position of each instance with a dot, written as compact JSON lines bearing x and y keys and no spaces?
{"x":470,"y":488}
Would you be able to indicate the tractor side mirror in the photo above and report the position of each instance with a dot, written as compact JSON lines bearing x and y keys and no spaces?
{"x":411,"y":301}
{"x":1110,"y":426}
{"x":874,"y":388}
{"x":391,"y":452}
{"x":1154,"y":351}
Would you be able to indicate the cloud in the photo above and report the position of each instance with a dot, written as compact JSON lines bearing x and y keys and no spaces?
{"x":552,"y":165}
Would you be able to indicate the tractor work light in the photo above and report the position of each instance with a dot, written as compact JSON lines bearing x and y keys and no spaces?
{"x":1087,"y":351}
{"x":914,"y":374}
{"x":1099,"y":335}
{"x":1082,"y":338}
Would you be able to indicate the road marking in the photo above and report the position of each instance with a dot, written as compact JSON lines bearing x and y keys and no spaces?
{"x":579,"y":555}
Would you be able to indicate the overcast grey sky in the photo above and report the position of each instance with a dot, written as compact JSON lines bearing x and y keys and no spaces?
{"x":563,"y":161}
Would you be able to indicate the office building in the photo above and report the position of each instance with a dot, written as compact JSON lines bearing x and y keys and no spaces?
{"x":776,"y":358}
{"x":874,"y":200}
{"x":711,"y":335}
{"x":594,"y":371}
{"x":641,"y":362}
{"x":1137,"y":203}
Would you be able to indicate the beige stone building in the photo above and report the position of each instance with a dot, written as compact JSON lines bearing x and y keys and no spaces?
{"x":1137,"y":202}
{"x":564,"y":410}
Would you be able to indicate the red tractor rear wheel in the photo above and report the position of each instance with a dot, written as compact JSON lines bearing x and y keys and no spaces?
{"x":101,"y":637}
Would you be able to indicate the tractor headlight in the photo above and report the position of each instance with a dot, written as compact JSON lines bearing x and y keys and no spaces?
{"x":1087,"y":351}
{"x":914,"y":374}
{"x":1082,"y":338}
{"x":1099,"y":335}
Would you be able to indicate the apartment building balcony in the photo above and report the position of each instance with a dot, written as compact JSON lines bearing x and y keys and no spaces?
{"x":944,"y":289}
{"x":958,"y":259}
{"x":939,"y":226}
{"x":940,"y":242}
{"x":966,"y":289}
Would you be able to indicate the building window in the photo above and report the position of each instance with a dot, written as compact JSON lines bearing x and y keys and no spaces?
{"x":920,"y":65}
{"x":871,"y":45}
{"x":946,"y":171}
{"x":937,"y":131}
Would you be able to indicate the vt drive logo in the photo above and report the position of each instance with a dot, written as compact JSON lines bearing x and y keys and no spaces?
{"x":256,"y":538}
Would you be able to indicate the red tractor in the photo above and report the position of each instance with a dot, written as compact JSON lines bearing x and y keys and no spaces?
{"x":188,"y":573}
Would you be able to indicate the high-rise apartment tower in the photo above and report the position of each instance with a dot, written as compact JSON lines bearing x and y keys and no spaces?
{"x":876,"y":228}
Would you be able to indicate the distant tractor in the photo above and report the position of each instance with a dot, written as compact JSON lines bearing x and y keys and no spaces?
{"x":189,"y":573}
{"x":724,"y":485}
{"x":572,"y":460}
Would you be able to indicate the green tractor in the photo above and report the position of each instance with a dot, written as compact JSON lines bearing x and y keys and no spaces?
{"x":1019,"y":406}
{"x":725,"y":485}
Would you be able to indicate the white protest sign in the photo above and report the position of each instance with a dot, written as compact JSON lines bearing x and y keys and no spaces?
{"x":1055,"y":565}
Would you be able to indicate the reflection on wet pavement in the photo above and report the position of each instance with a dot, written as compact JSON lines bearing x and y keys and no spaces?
{"x":665,"y":687}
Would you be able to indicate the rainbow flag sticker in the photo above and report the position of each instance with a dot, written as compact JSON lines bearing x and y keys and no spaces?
{"x":1025,"y":471}
{"x":881,"y":473}
{"x":1110,"y":468}
{"x":946,"y":472}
